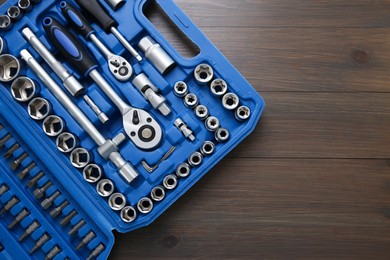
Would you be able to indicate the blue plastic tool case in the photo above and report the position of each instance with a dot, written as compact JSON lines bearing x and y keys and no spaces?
{"x":81,"y":195}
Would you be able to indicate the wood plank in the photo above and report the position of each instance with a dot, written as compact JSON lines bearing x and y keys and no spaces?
{"x":288,"y":13}
{"x":268,"y":208}
{"x":321,"y":125}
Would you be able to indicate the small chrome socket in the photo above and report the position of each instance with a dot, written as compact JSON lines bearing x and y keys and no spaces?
{"x":212,"y":123}
{"x":243,"y":113}
{"x":183,"y":170}
{"x":39,"y":108}
{"x":218,"y":87}
{"x":207,"y":148}
{"x":92,"y":173}
{"x":170,"y":182}
{"x":195,"y":159}
{"x":105,"y":188}
{"x":222,"y":135}
{"x":10,"y":67}
{"x":117,"y":201}
{"x":158,"y":193}
{"x":5,"y":23}
{"x":202,"y":112}
{"x":23,"y":89}
{"x":14,"y":13}
{"x":180,"y":89}
{"x":80,"y":158}
{"x":128,"y":214}
{"x":203,"y":74}
{"x":66,"y":142}
{"x":230,"y":101}
{"x":191,"y":100}
{"x":53,"y":125}
{"x":25,"y":5}
{"x":145,"y":205}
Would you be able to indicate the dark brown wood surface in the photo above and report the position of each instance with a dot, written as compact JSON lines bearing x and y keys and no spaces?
{"x":313,"y":180}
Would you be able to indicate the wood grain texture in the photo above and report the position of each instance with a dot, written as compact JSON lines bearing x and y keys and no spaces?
{"x":313,"y":180}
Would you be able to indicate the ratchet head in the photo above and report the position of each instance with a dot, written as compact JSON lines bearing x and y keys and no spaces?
{"x":120,"y":68}
{"x":142,"y":129}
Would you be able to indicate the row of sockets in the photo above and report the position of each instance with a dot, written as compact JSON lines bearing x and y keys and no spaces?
{"x":48,"y":198}
{"x":15,"y":13}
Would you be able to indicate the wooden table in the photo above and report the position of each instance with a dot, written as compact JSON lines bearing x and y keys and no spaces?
{"x":313,"y":180}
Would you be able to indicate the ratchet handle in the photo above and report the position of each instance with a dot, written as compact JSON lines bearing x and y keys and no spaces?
{"x":101,"y":16}
{"x":68,"y":45}
{"x":77,"y":20}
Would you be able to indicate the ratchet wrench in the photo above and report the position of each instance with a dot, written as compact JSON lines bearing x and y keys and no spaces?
{"x":119,"y":66}
{"x":138,"y":124}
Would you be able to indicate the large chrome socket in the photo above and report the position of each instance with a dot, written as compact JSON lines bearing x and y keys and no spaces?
{"x":242,"y":113}
{"x":203,"y":74}
{"x":23,"y":89}
{"x":39,"y":108}
{"x":105,"y":188}
{"x":157,"y":193}
{"x":10,"y":67}
{"x":53,"y":125}
{"x":230,"y":101}
{"x":66,"y":142}
{"x":14,"y":13}
{"x":117,"y":201}
{"x":170,"y":182}
{"x":156,"y":55}
{"x":180,"y":89}
{"x":183,"y":170}
{"x":25,"y":5}
{"x":92,"y":173}
{"x":128,"y":214}
{"x":195,"y":159}
{"x":80,"y":158}
{"x":5,"y":23}
{"x":218,"y":87}
{"x":145,"y":205}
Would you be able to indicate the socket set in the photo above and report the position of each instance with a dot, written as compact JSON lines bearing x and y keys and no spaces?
{"x":103,"y":124}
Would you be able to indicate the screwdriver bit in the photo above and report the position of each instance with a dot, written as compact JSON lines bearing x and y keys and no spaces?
{"x":3,"y":189}
{"x":35,"y":179}
{"x":40,"y":192}
{"x":10,"y":204}
{"x":26,"y":170}
{"x":96,"y":252}
{"x":88,"y":238}
{"x":56,"y":211}
{"x":22,"y":215}
{"x":68,"y":218}
{"x":53,"y":252}
{"x":11,"y":150}
{"x":41,"y":241}
{"x":16,"y":163}
{"x":34,"y":226}
{"x":49,"y":201}
{"x":77,"y":227}
{"x":4,"y":140}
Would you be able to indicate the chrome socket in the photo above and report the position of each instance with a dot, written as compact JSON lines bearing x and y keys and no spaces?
{"x":242,"y":113}
{"x":212,"y":123}
{"x":25,"y":5}
{"x":105,"y":188}
{"x":3,"y":45}
{"x":92,"y":173}
{"x":203,"y":74}
{"x":202,"y":112}
{"x":117,"y":201}
{"x":145,"y":205}
{"x":191,"y":100}
{"x":14,"y":13}
{"x":157,"y":193}
{"x":230,"y":101}
{"x":180,"y":89}
{"x":170,"y":182}
{"x":10,"y":67}
{"x":80,"y":158}
{"x":66,"y":142}
{"x":39,"y":108}
{"x":128,"y":214}
{"x":207,"y":148}
{"x":5,"y":23}
{"x":53,"y":125}
{"x":222,"y":135}
{"x":156,"y":55}
{"x":183,"y":170}
{"x":218,"y":87}
{"x":195,"y":159}
{"x":23,"y":89}
{"x":116,"y":4}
